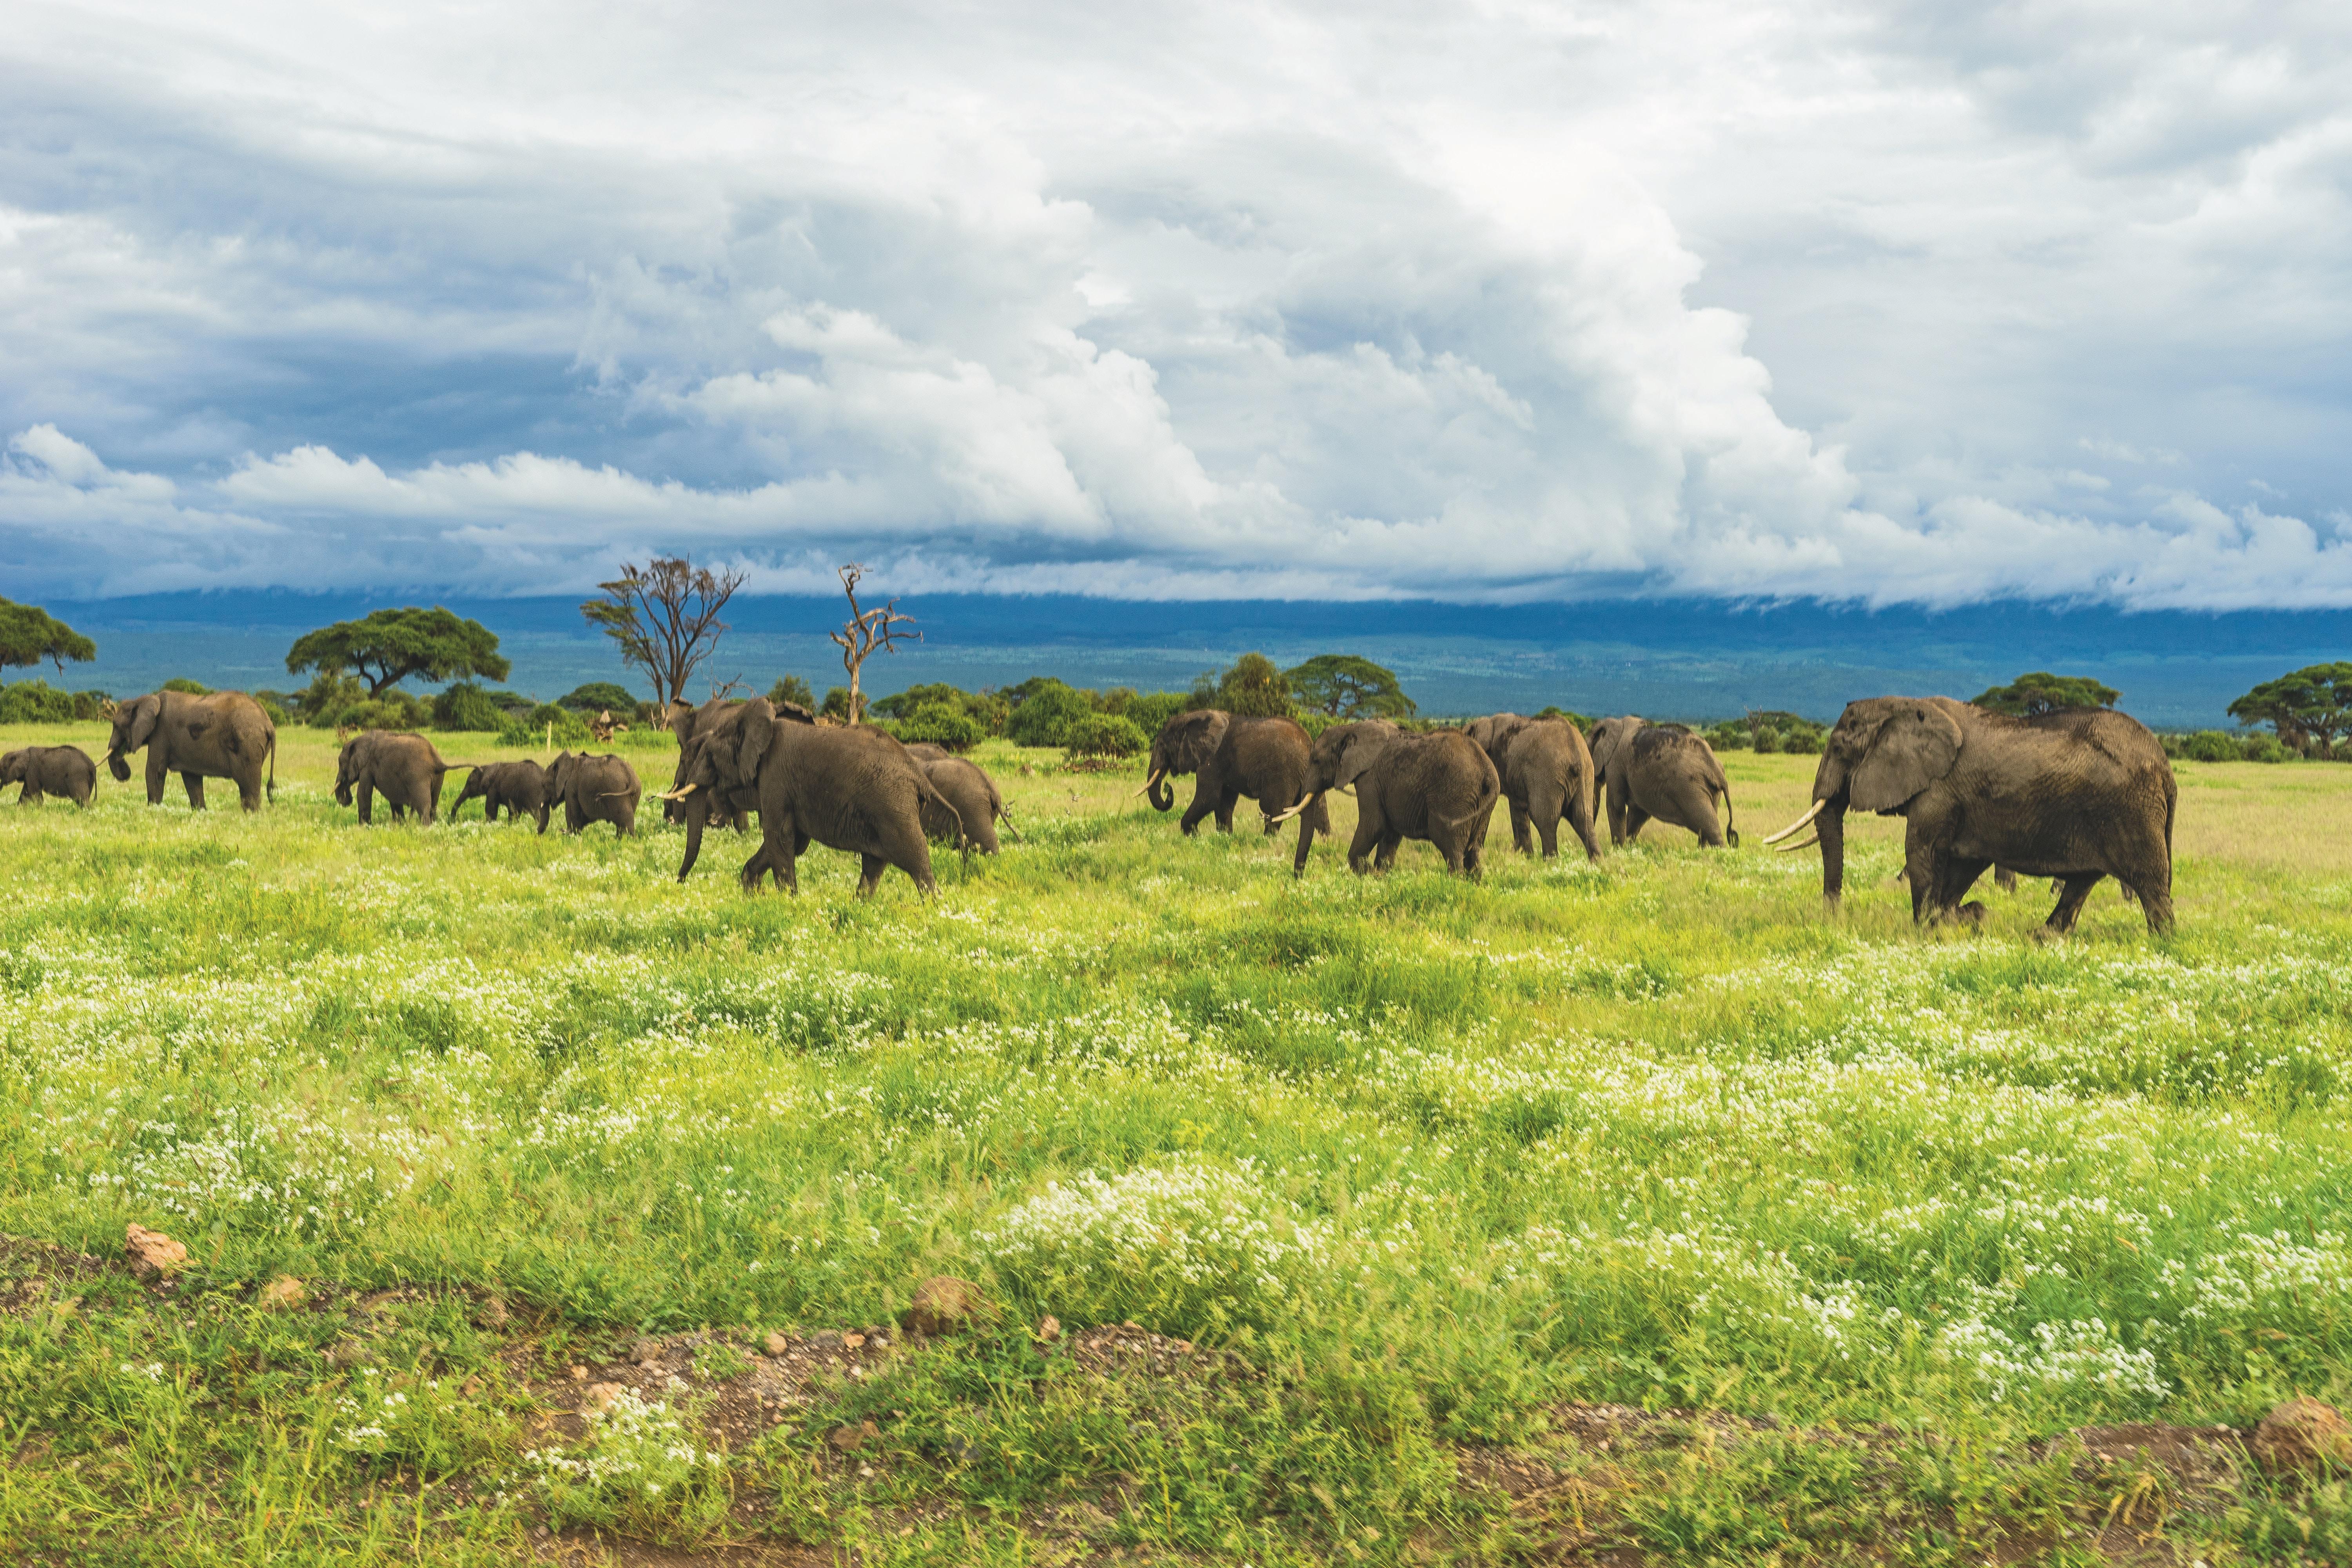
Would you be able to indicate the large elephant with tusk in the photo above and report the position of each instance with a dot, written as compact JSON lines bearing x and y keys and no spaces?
{"x":689,"y":723}
{"x":711,"y":779}
{"x":1439,"y":788}
{"x":2076,"y":796}
{"x":1263,"y":760}
{"x":853,"y":788}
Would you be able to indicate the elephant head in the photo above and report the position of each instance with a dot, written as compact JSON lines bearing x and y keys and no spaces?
{"x":13,"y":766}
{"x":134,"y":726}
{"x":1342,"y":754}
{"x":478,"y":784}
{"x":1495,"y":733}
{"x":1184,"y":745}
{"x":1883,"y":753}
{"x":720,"y":769}
{"x":1612,"y":739}
{"x":347,"y":768}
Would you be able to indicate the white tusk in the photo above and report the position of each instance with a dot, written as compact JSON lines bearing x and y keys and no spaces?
{"x":1147,"y":785}
{"x":681,"y":794}
{"x":1302,"y":805}
{"x":1792,"y":848}
{"x":1800,"y":822}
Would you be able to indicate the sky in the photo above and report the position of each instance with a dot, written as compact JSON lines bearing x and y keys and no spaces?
{"x":1893,"y":303}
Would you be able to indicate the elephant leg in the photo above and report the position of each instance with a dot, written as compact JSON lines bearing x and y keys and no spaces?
{"x":1520,"y":841}
{"x":574,"y":819}
{"x":1226,"y":804}
{"x":870,"y":874}
{"x":156,"y":773}
{"x":2004,"y":878}
{"x":2070,"y":903}
{"x":367,"y":803}
{"x":1580,"y":817}
{"x":1696,"y":806}
{"x":1206,"y":792}
{"x":1614,"y":807}
{"x":1919,"y":870}
{"x":1385,"y":858}
{"x":779,"y":850}
{"x":1636,"y":819}
{"x":543,"y":815}
{"x":1368,"y":838}
{"x":1959,"y":875}
{"x":1305,"y":842}
{"x":195,"y":784}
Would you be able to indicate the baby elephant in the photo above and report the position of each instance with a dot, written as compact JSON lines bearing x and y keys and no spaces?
{"x":402,"y":766}
{"x":1661,"y":771}
{"x":521,"y":788}
{"x":977,"y":805}
{"x":595,"y":789}
{"x":1440,"y":787}
{"x":50,"y":770}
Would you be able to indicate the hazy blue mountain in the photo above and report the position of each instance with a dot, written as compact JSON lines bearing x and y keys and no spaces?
{"x":1676,"y":658}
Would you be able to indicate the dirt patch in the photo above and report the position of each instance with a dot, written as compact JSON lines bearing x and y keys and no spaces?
{"x":36,"y":1275}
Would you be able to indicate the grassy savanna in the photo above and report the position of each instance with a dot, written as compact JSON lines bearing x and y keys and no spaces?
{"x":1427,"y":1170}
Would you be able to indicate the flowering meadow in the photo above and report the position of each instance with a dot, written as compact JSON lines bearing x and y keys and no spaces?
{"x":1429,"y":1162}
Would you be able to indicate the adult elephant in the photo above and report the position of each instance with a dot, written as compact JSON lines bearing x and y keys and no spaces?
{"x":1440,"y":787}
{"x":1265,"y":759}
{"x":1547,"y":772}
{"x":726,"y":793}
{"x":688,"y":724}
{"x":850,"y":787}
{"x":401,"y":766}
{"x":2076,"y":794}
{"x":520,"y":789}
{"x":49,"y":770}
{"x":970,"y":804}
{"x":219,"y":735}
{"x":595,"y":789}
{"x":1661,"y":771}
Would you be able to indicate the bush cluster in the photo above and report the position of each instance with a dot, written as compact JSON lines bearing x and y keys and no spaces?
{"x":37,"y":703}
{"x":2221,"y":746}
{"x":1772,"y":731}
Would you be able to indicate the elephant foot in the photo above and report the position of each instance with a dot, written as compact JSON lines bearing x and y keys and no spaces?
{"x":2048,"y":933}
{"x":1972,"y":912}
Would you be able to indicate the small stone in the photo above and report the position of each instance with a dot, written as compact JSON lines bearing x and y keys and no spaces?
{"x":491,"y":1313}
{"x":282,"y":1294}
{"x":348,"y":1353}
{"x":579,"y":1374}
{"x":601,"y":1395}
{"x":1183,"y":1347}
{"x":2299,"y":1435}
{"x":645,"y":1352}
{"x":151,"y":1252}
{"x":849,"y":1439}
{"x":776,"y":1344}
{"x":1049,"y":1329}
{"x":944,"y":1304}
{"x":852,"y":1341}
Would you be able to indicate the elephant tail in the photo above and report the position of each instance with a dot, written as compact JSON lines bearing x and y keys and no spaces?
{"x":270,"y":789}
{"x":1730,"y":833}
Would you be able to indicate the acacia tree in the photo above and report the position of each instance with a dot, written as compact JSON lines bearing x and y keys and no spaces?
{"x":2042,"y":692}
{"x":866,"y":633}
{"x":29,"y":634}
{"x":387,"y":647}
{"x":1348,"y":686}
{"x":664,"y":616}
{"x":2308,"y":708}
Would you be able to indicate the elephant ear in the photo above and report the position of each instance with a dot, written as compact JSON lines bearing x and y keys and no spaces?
{"x":754,"y":734}
{"x":1200,"y":740}
{"x":1608,"y":737}
{"x":144,"y":715}
{"x":1915,"y":745}
{"x":1359,"y":751}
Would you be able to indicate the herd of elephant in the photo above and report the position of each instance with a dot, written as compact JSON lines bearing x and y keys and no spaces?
{"x":2072,"y":795}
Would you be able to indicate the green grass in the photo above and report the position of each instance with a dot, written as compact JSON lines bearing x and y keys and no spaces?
{"x":1425,"y":1164}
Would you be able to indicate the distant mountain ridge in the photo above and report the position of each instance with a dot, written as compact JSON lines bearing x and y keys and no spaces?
{"x":1664,"y":657}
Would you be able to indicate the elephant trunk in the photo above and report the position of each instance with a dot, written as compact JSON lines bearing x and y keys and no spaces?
{"x":1831,"y":825}
{"x":696,"y":807}
{"x":118,"y":767}
{"x":1158,"y":792}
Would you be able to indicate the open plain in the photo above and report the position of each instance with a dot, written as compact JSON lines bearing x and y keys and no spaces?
{"x":538,"y":1208}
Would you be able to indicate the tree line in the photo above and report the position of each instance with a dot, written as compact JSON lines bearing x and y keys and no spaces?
{"x":664,"y":619}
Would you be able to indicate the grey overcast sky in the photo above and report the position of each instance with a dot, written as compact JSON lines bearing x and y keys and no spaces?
{"x":1875,"y":301}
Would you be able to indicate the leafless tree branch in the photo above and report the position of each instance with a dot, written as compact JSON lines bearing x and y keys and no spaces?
{"x":866,"y":633}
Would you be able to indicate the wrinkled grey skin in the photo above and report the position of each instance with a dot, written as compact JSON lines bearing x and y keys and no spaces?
{"x":1264,"y":759}
{"x":1440,"y":787}
{"x":520,"y":789}
{"x":927,"y":751}
{"x":970,"y":806}
{"x":50,"y":770}
{"x":688,"y":724}
{"x":1661,"y":771}
{"x":220,"y":735}
{"x":729,"y":794}
{"x":595,"y":789}
{"x":2076,"y":796}
{"x":401,"y":767}
{"x":852,"y":789}
{"x":1547,"y":771}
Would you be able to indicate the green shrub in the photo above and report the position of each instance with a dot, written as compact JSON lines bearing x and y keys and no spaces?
{"x":467,"y":706}
{"x":532,"y":729}
{"x":836,"y":706}
{"x":596,"y":697}
{"x":1582,"y":720}
{"x":1105,"y":735}
{"x":792,"y":689}
{"x":1154,"y":708}
{"x":35,"y":702}
{"x":1803,"y":743}
{"x":2266,"y":748}
{"x":394,"y":710}
{"x":91,"y":704}
{"x":181,"y":683}
{"x":1732,"y":736}
{"x":1046,"y":714}
{"x":1766,"y":740}
{"x":273,"y":710}
{"x":2212,"y":746}
{"x":941,"y":723}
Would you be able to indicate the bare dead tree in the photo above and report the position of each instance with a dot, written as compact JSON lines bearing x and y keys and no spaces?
{"x":866,"y":633}
{"x":666,"y":619}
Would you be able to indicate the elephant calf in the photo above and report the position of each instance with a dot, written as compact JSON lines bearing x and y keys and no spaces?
{"x":1661,"y":771}
{"x":1440,"y":787}
{"x":402,"y":766}
{"x":1548,"y":774}
{"x":970,"y":804}
{"x":1264,"y":760}
{"x":50,"y":770}
{"x":595,"y":789}
{"x":520,"y":789}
